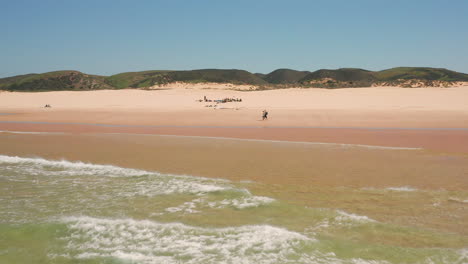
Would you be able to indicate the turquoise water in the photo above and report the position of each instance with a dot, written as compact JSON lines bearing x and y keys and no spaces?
{"x":72,"y":212}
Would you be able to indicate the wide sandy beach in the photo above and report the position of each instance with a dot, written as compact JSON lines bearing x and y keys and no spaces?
{"x":386,"y":166}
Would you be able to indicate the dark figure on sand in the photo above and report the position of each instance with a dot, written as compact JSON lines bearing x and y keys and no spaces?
{"x":265,"y":115}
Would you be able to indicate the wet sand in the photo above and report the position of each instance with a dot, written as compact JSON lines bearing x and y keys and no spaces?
{"x":350,"y":178}
{"x":263,"y":161}
{"x":440,"y":140}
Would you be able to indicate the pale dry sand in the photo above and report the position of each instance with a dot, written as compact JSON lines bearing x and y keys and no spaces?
{"x":348,"y":99}
{"x":356,"y":107}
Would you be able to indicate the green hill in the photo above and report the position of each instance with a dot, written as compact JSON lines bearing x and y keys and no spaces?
{"x":74,"y":80}
{"x":350,"y":77}
{"x":345,"y":77}
{"x":131,"y":79}
{"x":54,"y":81}
{"x":15,"y":79}
{"x":344,"y":74}
{"x":214,"y":75}
{"x":285,"y":76}
{"x":150,"y":78}
{"x":422,"y":73}
{"x":260,"y":75}
{"x":340,"y":78}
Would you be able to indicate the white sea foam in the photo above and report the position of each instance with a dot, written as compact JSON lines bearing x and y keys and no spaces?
{"x":148,"y":242}
{"x":395,"y":189}
{"x":154,"y":184}
{"x":349,"y":217}
{"x":460,"y":257}
{"x":152,"y":242}
{"x":402,"y":189}
{"x":174,"y":185}
{"x":196,"y":205}
{"x":458,"y":200}
{"x":187,"y":207}
{"x":341,"y":219}
{"x":463,"y":253}
{"x":243,"y":202}
{"x":36,"y":166}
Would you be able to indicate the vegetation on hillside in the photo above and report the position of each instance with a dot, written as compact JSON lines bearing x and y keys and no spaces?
{"x":285,"y":76}
{"x":54,"y":81}
{"x":131,"y":79}
{"x":422,"y":73}
{"x":340,"y":78}
{"x":346,"y":77}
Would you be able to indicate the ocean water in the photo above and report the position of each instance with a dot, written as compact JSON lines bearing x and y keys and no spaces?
{"x":71,"y":212}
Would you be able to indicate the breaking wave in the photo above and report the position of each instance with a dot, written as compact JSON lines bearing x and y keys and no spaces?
{"x":148,"y":242}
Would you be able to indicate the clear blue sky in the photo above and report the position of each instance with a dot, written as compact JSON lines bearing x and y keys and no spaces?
{"x":111,"y":36}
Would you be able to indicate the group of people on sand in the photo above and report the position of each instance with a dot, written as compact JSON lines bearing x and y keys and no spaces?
{"x":225,"y":100}
{"x":228,"y":100}
{"x":47,"y":106}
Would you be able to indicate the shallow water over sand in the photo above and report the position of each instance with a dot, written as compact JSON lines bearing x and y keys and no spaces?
{"x":56,"y":211}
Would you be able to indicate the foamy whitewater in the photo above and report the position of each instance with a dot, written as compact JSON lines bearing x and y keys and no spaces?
{"x":57,"y":211}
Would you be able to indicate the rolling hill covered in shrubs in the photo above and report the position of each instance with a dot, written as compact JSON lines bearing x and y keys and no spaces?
{"x":281,"y":78}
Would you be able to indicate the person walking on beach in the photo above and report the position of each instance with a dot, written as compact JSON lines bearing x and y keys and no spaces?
{"x":265,"y":115}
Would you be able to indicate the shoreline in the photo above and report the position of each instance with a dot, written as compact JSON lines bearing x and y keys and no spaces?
{"x":228,"y":138}
{"x":321,"y":164}
{"x":350,"y":178}
{"x":439,"y":140}
{"x":227,"y":126}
